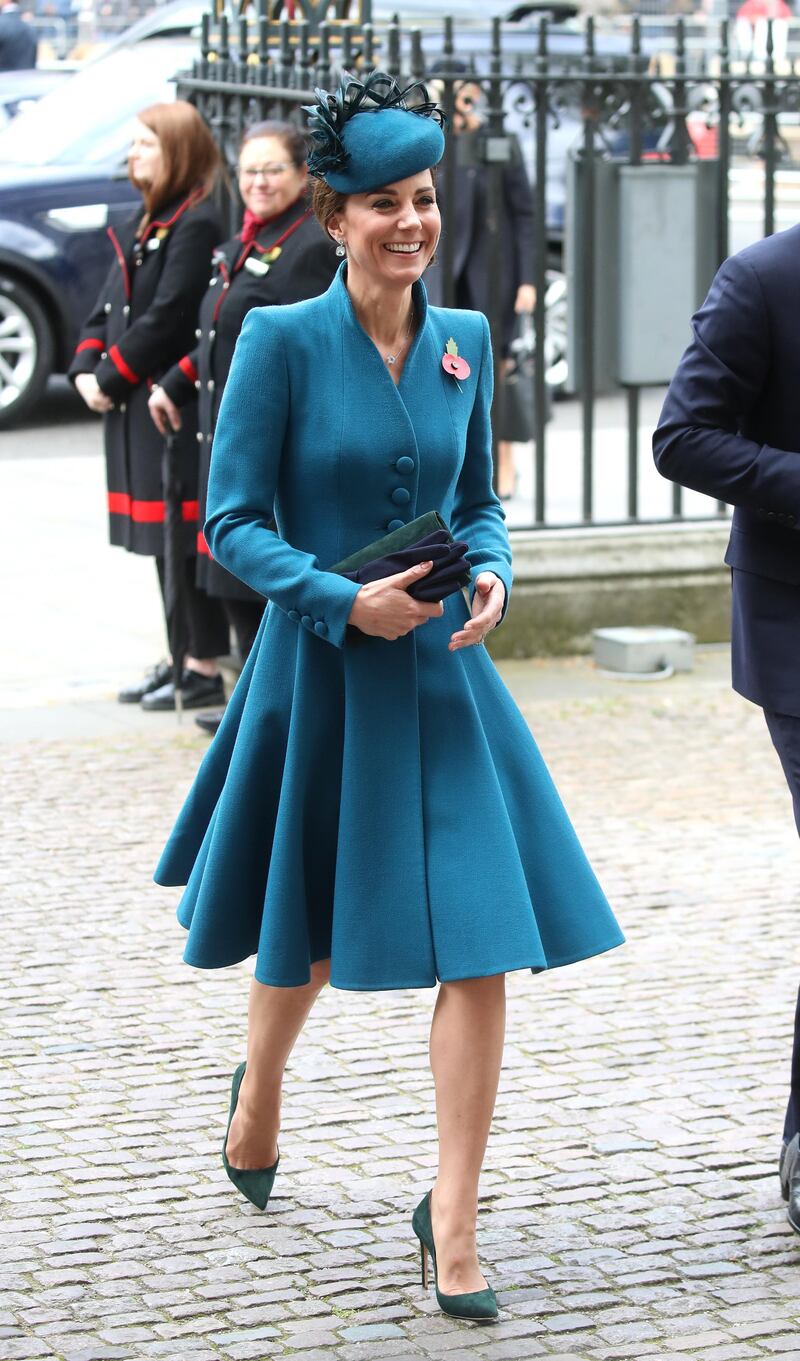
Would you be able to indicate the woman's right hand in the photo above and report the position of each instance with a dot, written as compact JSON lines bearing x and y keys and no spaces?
{"x":93,"y":395}
{"x":166,"y":415}
{"x":384,"y":609}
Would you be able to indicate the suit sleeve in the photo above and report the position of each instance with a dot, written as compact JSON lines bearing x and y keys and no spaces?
{"x":92,"y":339}
{"x":717,"y":384}
{"x":245,"y":463}
{"x":478,"y":516}
{"x":150,"y":343}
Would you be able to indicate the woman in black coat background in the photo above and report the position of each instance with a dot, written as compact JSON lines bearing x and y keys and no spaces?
{"x":141,"y":324}
{"x":465,"y":220}
{"x":281,"y":255}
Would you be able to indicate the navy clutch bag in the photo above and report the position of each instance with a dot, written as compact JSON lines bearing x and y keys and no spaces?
{"x":425,"y":539}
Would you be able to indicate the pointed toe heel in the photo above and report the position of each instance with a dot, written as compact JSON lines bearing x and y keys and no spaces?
{"x":478,"y":1306}
{"x":254,"y":1184}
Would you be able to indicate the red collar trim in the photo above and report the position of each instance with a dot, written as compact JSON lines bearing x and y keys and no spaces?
{"x":121,"y":261}
{"x":157,"y":222}
{"x":298,"y":222}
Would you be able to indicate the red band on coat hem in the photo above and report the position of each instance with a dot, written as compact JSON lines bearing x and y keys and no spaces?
{"x":147,"y":512}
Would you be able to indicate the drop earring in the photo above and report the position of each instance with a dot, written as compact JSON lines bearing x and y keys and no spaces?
{"x":341,"y":249}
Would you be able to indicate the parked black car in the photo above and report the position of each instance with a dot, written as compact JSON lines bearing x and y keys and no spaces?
{"x":63,"y":182}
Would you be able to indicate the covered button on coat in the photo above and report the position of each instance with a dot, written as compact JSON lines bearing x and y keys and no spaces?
{"x":379,"y":803}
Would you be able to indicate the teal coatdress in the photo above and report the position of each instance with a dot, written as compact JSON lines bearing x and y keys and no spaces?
{"x":378,"y":803}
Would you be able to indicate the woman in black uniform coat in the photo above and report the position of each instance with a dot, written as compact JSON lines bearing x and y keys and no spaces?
{"x":141,"y":324}
{"x":281,"y":255}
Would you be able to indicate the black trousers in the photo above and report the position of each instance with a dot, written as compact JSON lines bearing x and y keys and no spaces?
{"x":207,"y":629}
{"x":244,"y":617}
{"x":784,"y":729}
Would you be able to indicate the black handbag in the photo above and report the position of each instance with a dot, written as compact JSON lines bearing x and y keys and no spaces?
{"x":515,"y":412}
{"x":425,"y":539}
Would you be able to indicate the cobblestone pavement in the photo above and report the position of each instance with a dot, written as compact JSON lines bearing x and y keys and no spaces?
{"x":630,"y":1206}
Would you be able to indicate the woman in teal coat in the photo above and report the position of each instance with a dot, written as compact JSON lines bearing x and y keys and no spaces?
{"x":373,"y":811}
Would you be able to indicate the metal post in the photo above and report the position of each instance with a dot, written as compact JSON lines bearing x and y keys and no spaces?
{"x":635,"y":158}
{"x":770,"y":141}
{"x":587,"y":203}
{"x":494,"y":207}
{"x":541,"y":92}
{"x":723,"y":143}
{"x":392,"y":67}
{"x":448,"y":169}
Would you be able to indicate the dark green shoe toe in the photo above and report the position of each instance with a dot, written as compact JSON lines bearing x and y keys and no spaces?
{"x":256,"y":1184}
{"x":479,"y":1306}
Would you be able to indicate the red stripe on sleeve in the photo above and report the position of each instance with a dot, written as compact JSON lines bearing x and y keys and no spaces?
{"x":90,"y":345}
{"x":188,"y":369}
{"x":120,"y":365}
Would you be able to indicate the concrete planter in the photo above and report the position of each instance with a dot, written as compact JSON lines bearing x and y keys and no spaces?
{"x":570,"y":581}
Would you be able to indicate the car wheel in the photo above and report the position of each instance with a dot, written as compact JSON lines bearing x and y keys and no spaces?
{"x":26,"y":350}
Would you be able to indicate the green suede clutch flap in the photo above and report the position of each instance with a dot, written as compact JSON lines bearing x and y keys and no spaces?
{"x":392,"y":543}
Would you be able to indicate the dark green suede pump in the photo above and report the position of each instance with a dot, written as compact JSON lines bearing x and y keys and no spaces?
{"x":478,"y":1305}
{"x":255,"y":1184}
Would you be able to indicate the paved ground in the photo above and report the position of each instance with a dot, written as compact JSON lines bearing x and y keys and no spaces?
{"x":629,"y":1204}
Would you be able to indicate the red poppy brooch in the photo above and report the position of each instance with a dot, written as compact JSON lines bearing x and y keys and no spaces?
{"x":454,"y":363}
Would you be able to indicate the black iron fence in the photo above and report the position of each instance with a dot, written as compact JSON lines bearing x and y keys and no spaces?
{"x":650,"y":159}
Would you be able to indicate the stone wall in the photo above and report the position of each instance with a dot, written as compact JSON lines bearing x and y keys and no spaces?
{"x":570,"y":581}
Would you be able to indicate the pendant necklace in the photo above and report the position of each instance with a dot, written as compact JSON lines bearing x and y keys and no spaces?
{"x":393,"y":358}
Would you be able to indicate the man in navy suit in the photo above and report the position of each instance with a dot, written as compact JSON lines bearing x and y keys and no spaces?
{"x":17,"y":39}
{"x":730,"y":427}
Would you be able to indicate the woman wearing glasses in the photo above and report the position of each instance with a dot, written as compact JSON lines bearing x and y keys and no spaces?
{"x":281,"y":255}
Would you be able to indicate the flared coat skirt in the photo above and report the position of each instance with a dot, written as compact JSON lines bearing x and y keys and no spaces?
{"x":383,"y":805}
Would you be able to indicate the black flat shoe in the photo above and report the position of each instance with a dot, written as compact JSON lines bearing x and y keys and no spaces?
{"x":789,"y":1171}
{"x":210,"y":722}
{"x":157,"y":676}
{"x":198,"y":692}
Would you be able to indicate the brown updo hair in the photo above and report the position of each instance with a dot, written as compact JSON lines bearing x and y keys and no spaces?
{"x":191,"y":158}
{"x":326,"y":203}
{"x":292,"y":138}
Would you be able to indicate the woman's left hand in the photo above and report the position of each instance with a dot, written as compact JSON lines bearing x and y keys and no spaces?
{"x":487,"y":608}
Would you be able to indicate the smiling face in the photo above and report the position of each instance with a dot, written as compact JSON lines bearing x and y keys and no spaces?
{"x":390,"y":233}
{"x":145,"y":158}
{"x":269,"y":181}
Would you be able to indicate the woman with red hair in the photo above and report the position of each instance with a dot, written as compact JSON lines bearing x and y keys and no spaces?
{"x":142,"y":323}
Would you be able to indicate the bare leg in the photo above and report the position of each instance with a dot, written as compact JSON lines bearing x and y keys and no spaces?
{"x":275,"y":1018}
{"x":506,"y":469}
{"x":204,"y":666}
{"x":466,"y":1051}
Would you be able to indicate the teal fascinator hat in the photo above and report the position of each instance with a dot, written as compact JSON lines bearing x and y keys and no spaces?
{"x":370,"y":133}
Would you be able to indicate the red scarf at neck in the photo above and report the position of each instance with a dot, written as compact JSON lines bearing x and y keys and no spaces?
{"x":251,"y":225}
